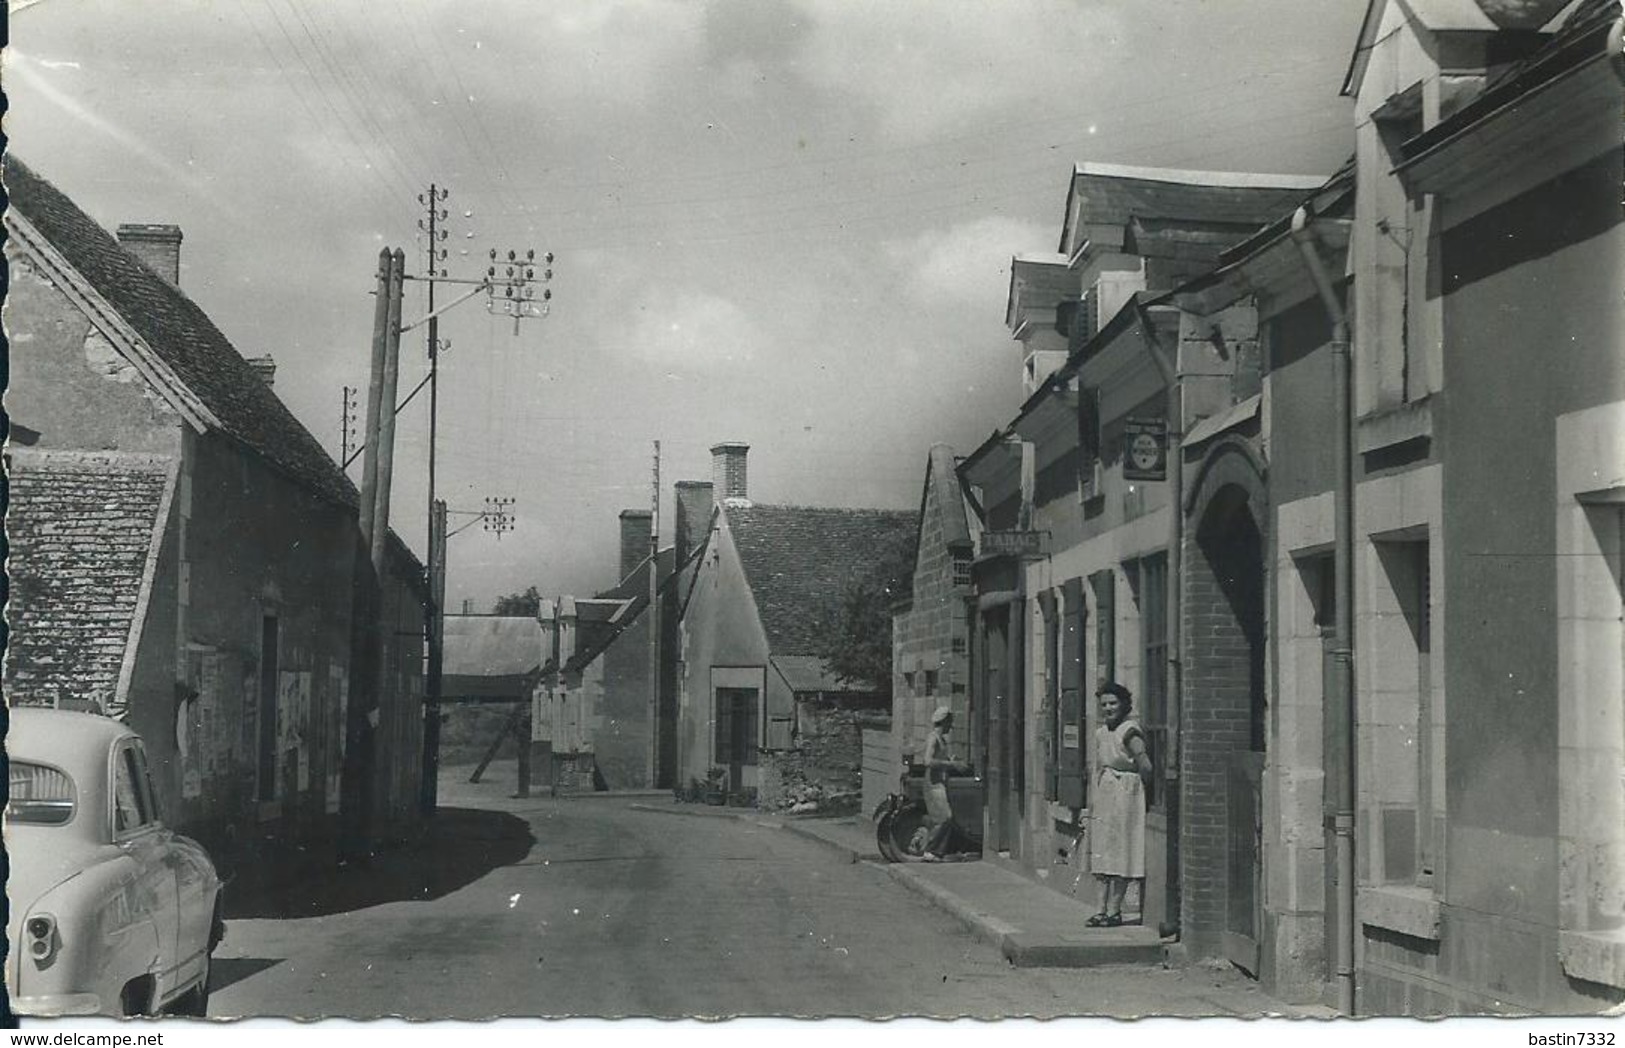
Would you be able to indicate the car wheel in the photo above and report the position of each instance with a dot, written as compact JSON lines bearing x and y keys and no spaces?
{"x":136,"y":999}
{"x":909,"y":833}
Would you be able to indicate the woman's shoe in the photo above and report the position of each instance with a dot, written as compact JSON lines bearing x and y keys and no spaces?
{"x":1112,"y":920}
{"x":1099,"y":920}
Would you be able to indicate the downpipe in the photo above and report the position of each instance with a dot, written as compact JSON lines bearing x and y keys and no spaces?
{"x":1168,"y":366}
{"x":1342,"y":705}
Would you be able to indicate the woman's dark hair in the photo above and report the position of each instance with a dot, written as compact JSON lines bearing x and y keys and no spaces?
{"x":1124,"y":696}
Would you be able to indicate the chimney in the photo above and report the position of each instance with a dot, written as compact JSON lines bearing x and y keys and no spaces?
{"x":156,"y":244}
{"x":693,"y":511}
{"x":265,"y":367}
{"x":636,"y":525}
{"x":728,"y":470}
{"x":567,"y":621}
{"x":547,"y":619}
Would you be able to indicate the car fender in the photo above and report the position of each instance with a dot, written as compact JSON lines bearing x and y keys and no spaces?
{"x":106,"y":931}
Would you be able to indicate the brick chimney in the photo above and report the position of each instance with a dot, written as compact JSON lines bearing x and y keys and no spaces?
{"x":265,"y":367}
{"x":728,"y":470}
{"x":635,"y":527}
{"x":156,"y":244}
{"x":693,"y":511}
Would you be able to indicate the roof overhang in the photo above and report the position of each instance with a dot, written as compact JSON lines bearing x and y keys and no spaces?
{"x":1039,"y":412}
{"x":82,"y":293}
{"x":1570,"y":94}
{"x":1038,"y":283}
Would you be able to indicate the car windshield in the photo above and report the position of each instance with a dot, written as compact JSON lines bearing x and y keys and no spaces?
{"x":39,"y":794}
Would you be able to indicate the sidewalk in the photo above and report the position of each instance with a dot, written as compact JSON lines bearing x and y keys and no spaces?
{"x":1031,"y":925}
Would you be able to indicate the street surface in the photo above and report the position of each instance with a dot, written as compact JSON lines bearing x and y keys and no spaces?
{"x":587,"y":907}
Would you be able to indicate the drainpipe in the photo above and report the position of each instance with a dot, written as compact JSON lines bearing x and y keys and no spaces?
{"x":1342,"y":705}
{"x":1168,"y":365}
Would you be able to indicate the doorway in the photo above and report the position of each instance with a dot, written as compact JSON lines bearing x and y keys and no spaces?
{"x":736,"y":722}
{"x":1229,"y":679}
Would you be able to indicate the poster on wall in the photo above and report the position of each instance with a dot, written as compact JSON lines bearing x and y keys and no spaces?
{"x":293,"y":716}
{"x":337,"y":707}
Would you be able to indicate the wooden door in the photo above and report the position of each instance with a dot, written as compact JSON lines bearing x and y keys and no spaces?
{"x":996,"y":692}
{"x":1245,"y":826}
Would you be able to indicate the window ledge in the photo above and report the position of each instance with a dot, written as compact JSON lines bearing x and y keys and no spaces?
{"x":1595,"y":956}
{"x":1388,"y":426}
{"x":1407,"y":910}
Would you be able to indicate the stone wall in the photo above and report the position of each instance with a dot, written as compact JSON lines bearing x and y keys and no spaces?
{"x":825,"y":766}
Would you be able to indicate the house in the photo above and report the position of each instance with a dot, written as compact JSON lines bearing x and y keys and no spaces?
{"x":1489,"y":474}
{"x":1078,"y":560}
{"x":1259,"y":645}
{"x":931,"y":627}
{"x":1435,"y":476}
{"x":175,"y":536}
{"x":755,"y":696}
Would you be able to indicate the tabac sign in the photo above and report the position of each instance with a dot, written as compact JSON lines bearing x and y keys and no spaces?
{"x":1015,"y":543}
{"x":1145,"y":449}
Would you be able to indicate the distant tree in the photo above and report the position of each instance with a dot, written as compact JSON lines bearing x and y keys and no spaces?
{"x":856,"y":639}
{"x":526,"y":603}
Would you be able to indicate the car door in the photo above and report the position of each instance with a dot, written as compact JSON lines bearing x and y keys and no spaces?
{"x":141,"y":836}
{"x":194,"y":882}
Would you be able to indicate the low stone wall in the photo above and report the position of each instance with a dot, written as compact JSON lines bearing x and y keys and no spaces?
{"x":825,"y":767}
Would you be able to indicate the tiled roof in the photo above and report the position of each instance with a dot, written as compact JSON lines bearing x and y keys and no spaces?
{"x":807,"y":673}
{"x":179,"y":332}
{"x":491,"y":645}
{"x":81,"y":527}
{"x":800,"y":560}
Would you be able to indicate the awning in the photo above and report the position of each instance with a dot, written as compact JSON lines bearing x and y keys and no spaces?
{"x":1213,"y":425}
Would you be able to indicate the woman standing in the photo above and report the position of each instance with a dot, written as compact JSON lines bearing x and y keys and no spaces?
{"x":1117,"y":810}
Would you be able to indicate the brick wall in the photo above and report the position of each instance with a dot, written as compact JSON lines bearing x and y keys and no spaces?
{"x":1219,"y":680}
{"x":930,"y":644}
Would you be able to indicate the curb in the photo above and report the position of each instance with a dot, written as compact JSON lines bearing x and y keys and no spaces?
{"x":613,"y":795}
{"x":852,"y":854}
{"x":697,"y":813}
{"x":984,"y":927}
{"x":1031,"y":949}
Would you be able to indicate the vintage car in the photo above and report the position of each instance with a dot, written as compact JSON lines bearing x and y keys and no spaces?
{"x":111,"y":913}
{"x":902,"y":826}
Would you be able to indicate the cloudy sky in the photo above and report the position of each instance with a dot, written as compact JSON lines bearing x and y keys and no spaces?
{"x":784,"y":222}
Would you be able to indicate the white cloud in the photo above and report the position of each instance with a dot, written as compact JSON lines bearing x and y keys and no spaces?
{"x":606,"y":53}
{"x":930,"y":66}
{"x":968,"y":263}
{"x":682,"y":329}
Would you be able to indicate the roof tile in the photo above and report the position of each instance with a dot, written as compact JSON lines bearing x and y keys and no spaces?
{"x":801,"y":559}
{"x":73,"y":604}
{"x":180,"y":333}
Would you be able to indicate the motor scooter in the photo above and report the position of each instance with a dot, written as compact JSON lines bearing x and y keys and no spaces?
{"x":902,"y":826}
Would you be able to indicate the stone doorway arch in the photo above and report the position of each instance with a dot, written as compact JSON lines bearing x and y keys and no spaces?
{"x":1226,"y":703}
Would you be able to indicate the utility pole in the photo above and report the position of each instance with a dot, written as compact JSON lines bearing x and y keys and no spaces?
{"x":654,"y":621}
{"x":368,"y":643}
{"x":434,"y":609}
{"x":519,"y":300}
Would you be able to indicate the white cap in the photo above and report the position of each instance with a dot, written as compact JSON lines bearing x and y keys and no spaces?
{"x":942,"y":713}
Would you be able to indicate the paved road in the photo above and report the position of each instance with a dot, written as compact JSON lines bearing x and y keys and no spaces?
{"x":586,"y":907}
